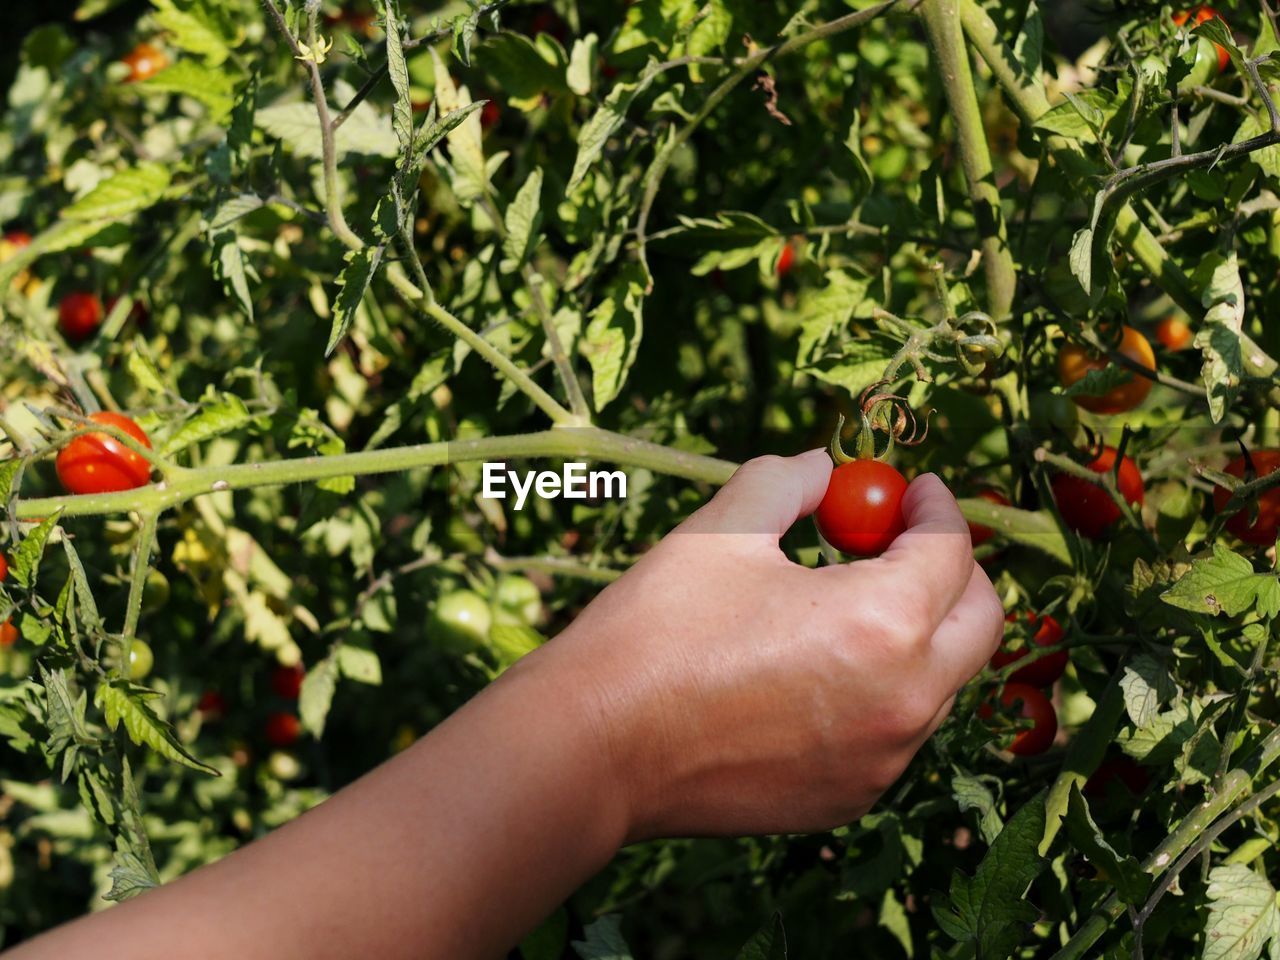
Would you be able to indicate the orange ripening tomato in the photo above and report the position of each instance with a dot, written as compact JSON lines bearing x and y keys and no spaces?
{"x":8,"y":634}
{"x":1204,"y":14}
{"x":1087,"y":507}
{"x":99,"y":463}
{"x":1075,"y":362}
{"x":1263,"y":530}
{"x":144,"y":62}
{"x":978,"y":533}
{"x":1173,"y":334}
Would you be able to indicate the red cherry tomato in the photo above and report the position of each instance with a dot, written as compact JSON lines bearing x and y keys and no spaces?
{"x":861,"y":512}
{"x":786,"y":259}
{"x":490,"y":114}
{"x":979,"y":533}
{"x":8,"y":634}
{"x":1173,"y":334}
{"x":1075,"y":362}
{"x":287,"y":681}
{"x":283,"y":729}
{"x":144,"y":62}
{"x":1044,"y":671}
{"x":79,"y":316}
{"x":4,"y":566}
{"x":17,"y":239}
{"x":213,"y":706}
{"x":99,"y":463}
{"x":1034,"y":706}
{"x":1118,"y":769}
{"x":1263,"y":530}
{"x":1085,"y":506}
{"x":1203,"y":14}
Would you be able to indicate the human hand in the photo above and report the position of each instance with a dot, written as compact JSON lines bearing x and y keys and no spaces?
{"x":740,"y":693}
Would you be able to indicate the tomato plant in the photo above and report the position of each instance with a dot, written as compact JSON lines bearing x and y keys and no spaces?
{"x":1075,"y":362}
{"x":861,"y":512}
{"x":1044,"y":670}
{"x":100,"y":463}
{"x":1086,"y":506}
{"x":1029,"y":704}
{"x":1259,"y":527}
{"x":79,"y":315}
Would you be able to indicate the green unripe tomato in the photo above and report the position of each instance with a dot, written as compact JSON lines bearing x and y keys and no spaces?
{"x":284,"y":766}
{"x":141,"y":659}
{"x":155,"y":592}
{"x":460,"y":623}
{"x":1052,"y":412}
{"x":517,"y":600}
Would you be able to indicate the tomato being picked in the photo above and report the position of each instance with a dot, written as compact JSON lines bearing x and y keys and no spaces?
{"x":1076,"y":362}
{"x":1035,"y":706}
{"x":979,"y":533}
{"x":99,"y":463}
{"x":1086,"y":507}
{"x":1204,"y":14}
{"x":861,"y":512}
{"x":1262,"y":531}
{"x":79,"y":315}
{"x":1043,"y":671}
{"x":144,"y":62}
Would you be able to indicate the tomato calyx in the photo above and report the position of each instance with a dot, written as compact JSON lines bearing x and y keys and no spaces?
{"x":885,"y":411}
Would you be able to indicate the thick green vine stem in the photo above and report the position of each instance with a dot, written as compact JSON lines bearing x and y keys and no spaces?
{"x":942,"y":24}
{"x":588,"y":443}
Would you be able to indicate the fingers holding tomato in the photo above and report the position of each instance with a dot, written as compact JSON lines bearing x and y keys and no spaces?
{"x":100,"y":463}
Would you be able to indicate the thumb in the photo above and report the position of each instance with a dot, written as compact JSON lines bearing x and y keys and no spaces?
{"x":766,"y":495}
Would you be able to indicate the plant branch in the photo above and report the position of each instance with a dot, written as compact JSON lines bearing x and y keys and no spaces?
{"x":942,"y":24}
{"x":332,"y":186}
{"x":588,"y":443}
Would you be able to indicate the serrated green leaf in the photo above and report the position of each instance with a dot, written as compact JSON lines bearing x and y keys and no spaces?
{"x":359,"y":664}
{"x":25,"y":561}
{"x":523,"y":220}
{"x":1225,"y":583}
{"x":212,"y":86}
{"x":1131,"y":883}
{"x":1243,"y":914}
{"x":123,"y":702}
{"x":316,"y":696}
{"x":612,"y":337}
{"x":223,"y":414}
{"x":123,"y":193}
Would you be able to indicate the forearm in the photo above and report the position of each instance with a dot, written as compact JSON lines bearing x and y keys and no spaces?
{"x":454,"y":849}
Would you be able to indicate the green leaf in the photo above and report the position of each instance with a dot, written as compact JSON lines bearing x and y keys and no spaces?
{"x":1147,"y":686}
{"x":612,"y":337}
{"x":365,"y":131}
{"x":232,"y":268}
{"x":359,"y":664}
{"x":316,"y":696}
{"x":130,"y":876}
{"x":990,"y":908}
{"x":229,"y":211}
{"x":604,"y":123}
{"x":1224,"y":583}
{"x":970,"y":793}
{"x":524,"y":69}
{"x":1124,"y":872}
{"x":1080,"y":116}
{"x":219,"y":414}
{"x":25,"y":561}
{"x":1243,"y":915}
{"x":197,"y":26}
{"x":767,"y":943}
{"x":582,"y":64}
{"x":122,"y":701}
{"x":603,"y":940}
{"x":354,"y":280}
{"x":212,"y":86}
{"x":523,"y":219}
{"x":123,"y":193}
{"x":1030,"y":528}
{"x":398,"y":71}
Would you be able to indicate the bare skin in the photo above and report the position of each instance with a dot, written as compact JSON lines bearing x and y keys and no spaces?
{"x":716,"y":689}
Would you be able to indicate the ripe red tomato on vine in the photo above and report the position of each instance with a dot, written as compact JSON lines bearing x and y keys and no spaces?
{"x":144,"y":62}
{"x":1262,"y":529}
{"x":1202,"y":15}
{"x":979,"y":533}
{"x":1043,"y":672}
{"x":1075,"y":362}
{"x":786,"y":259}
{"x":4,"y":566}
{"x":282,"y":729}
{"x":8,"y":634}
{"x":79,"y":315}
{"x":287,"y":681}
{"x":861,"y":512}
{"x":1032,"y":705}
{"x":99,"y":463}
{"x":212,"y":706}
{"x":1085,"y":506}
